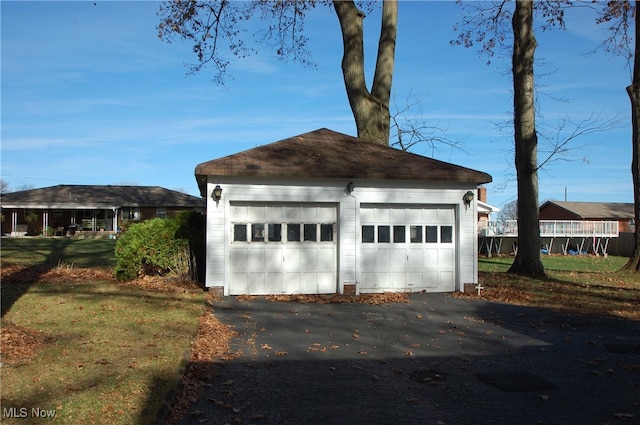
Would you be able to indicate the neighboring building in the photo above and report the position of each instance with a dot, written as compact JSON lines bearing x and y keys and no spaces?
{"x":484,"y":210}
{"x":324,"y":212}
{"x":73,"y":208}
{"x":590,"y":211}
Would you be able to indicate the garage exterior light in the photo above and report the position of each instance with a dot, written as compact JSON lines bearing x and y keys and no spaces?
{"x":216,"y":194}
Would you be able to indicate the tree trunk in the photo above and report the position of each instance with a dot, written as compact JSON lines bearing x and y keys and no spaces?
{"x":527,"y":261}
{"x":634,"y":95}
{"x":370,"y":109}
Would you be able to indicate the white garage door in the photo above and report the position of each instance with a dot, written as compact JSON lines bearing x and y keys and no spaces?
{"x":407,"y":249}
{"x":283,"y":249}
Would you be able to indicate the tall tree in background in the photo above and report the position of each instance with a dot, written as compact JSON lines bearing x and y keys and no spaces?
{"x":213,"y":26}
{"x":634,"y":94}
{"x":621,"y":16}
{"x":527,"y":261}
{"x":486,"y":23}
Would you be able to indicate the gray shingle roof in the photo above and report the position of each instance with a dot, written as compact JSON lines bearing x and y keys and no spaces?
{"x":596,"y":210}
{"x":325,"y":153}
{"x":76,"y":196}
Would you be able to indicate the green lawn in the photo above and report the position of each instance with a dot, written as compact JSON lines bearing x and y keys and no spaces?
{"x":577,"y":284}
{"x":558,"y":263}
{"x":50,"y":252}
{"x":83,"y":345}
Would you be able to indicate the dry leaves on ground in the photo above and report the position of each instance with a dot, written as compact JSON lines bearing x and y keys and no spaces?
{"x":211,"y":345}
{"x":588,"y":296}
{"x":16,"y":274}
{"x":384,"y":298}
{"x":20,"y":343}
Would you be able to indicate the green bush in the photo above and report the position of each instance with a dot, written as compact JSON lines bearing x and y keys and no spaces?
{"x":192,"y":228}
{"x":161,"y":247}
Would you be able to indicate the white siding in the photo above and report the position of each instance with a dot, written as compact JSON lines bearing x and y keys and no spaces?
{"x":287,"y":191}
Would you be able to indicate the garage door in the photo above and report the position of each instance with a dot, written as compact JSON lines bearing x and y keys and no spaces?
{"x":407,"y":249}
{"x":283,"y":249}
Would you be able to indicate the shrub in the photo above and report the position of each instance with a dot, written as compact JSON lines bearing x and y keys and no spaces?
{"x":160,"y":247}
{"x":192,"y":228}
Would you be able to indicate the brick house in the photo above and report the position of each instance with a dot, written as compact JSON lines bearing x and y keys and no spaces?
{"x":623,"y":213}
{"x":67,"y":209}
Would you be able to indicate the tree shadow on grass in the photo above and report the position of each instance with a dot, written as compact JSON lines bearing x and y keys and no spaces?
{"x":26,"y":260}
{"x":19,"y":279}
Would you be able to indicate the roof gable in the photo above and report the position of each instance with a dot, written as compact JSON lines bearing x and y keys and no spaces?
{"x":99,"y":197}
{"x":325,"y":153}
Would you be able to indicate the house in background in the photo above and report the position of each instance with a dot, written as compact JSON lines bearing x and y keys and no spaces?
{"x":623,"y":213}
{"x":67,"y":209}
{"x":324,"y":212}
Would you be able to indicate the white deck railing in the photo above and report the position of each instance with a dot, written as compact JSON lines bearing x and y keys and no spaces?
{"x":553,"y":228}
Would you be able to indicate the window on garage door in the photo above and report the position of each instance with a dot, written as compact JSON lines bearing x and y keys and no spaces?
{"x":432,"y":234}
{"x":274,"y":232}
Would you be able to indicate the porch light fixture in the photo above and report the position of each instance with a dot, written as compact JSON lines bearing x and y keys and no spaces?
{"x":349,"y":188}
{"x":468,"y":198}
{"x":216,"y":195}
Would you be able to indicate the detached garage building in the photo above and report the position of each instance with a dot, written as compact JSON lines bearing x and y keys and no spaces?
{"x":324,"y":212}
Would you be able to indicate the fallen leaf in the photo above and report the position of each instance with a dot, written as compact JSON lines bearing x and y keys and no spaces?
{"x":624,"y":416}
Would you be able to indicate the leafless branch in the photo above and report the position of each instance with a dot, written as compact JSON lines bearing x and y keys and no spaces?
{"x":409,"y":131}
{"x":567,"y":131}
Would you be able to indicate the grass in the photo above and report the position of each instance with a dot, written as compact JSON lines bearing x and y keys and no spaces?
{"x":578,"y":285}
{"x":50,"y":252}
{"x":559,"y":263}
{"x":85,"y":346}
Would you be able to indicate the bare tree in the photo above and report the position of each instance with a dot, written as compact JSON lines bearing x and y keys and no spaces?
{"x":4,"y":186}
{"x":410,"y":129}
{"x":509,"y":211}
{"x":621,"y":16}
{"x":213,"y":26}
{"x":23,"y":187}
{"x":485,"y":23}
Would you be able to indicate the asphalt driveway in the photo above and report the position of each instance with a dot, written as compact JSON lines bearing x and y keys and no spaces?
{"x":436,"y":360}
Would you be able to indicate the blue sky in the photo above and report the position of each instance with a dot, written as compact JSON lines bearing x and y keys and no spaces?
{"x":90,"y":95}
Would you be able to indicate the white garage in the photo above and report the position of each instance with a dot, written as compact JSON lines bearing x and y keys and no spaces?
{"x":324,"y":212}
